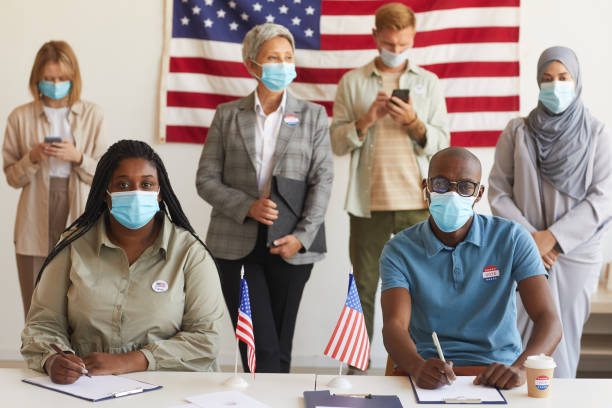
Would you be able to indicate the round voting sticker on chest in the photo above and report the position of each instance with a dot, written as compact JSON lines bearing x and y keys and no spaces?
{"x":160,"y":286}
{"x":490,"y":273}
{"x":291,"y":120}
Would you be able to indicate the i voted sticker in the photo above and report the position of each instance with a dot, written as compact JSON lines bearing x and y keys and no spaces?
{"x":490,"y":273}
{"x":291,"y":120}
{"x":419,"y":89}
{"x":542,"y":382}
{"x":160,"y":286}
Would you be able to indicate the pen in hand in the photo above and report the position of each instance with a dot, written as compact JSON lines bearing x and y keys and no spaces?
{"x":61,"y":353}
{"x":437,"y":343}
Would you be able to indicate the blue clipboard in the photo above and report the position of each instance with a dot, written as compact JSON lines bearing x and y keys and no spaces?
{"x":458,"y":400}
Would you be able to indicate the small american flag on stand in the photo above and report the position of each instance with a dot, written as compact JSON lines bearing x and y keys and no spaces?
{"x":244,"y":328}
{"x":349,"y":343}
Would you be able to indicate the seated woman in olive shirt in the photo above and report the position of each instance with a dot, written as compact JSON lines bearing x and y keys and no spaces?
{"x":129,"y":287}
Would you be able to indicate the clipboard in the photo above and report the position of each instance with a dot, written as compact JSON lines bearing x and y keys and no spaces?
{"x":96,"y":388}
{"x":314,"y":399}
{"x":466,"y":393}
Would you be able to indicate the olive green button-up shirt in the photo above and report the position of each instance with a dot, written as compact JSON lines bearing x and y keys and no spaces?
{"x":355,"y":93}
{"x":168,"y":304}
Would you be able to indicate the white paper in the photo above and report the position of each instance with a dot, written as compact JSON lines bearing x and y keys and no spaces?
{"x":462,"y":388}
{"x":95,"y":387}
{"x":234,"y":399}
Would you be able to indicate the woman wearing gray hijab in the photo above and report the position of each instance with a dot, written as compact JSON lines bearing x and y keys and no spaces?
{"x":553,"y":175}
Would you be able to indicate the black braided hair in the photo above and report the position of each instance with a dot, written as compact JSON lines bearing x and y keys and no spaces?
{"x":96,"y":203}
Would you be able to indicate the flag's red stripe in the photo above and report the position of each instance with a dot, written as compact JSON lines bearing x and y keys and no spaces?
{"x":186,"y":134}
{"x":195,"y":134}
{"x":331,"y":340}
{"x":333,"y":75}
{"x":483,"y":104}
{"x":354,"y":339}
{"x":349,"y":7}
{"x":453,"y":104}
{"x":364,"y":340}
{"x":342,"y":333}
{"x":475,"y":69}
{"x":350,"y":335}
{"x":475,"y":138}
{"x":464,"y":35}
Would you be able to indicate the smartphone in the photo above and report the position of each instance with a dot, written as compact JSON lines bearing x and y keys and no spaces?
{"x":53,"y":139}
{"x":403,"y":94}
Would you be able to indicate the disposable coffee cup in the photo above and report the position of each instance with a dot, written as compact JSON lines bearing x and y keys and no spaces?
{"x":540,"y":370}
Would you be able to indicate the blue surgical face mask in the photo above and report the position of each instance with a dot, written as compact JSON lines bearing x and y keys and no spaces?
{"x":392,"y":59}
{"x":450,"y":211}
{"x":277,"y":76}
{"x":557,"y":95}
{"x":134,"y":209}
{"x":55,"y":91}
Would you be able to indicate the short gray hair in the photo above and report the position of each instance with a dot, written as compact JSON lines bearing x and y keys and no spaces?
{"x":254,"y":39}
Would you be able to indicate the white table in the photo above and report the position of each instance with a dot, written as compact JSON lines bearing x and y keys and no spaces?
{"x":565,"y":393}
{"x":276,"y":390}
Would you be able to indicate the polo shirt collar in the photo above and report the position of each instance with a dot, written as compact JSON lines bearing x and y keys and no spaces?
{"x":433,"y":245}
{"x":160,"y":244}
{"x":410,"y":67}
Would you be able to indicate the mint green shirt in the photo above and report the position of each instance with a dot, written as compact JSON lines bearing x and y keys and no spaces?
{"x":355,"y":93}
{"x":167,"y":304}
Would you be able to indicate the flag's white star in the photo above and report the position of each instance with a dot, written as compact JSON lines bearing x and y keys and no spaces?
{"x":208,"y":2}
{"x":257,"y":7}
{"x":309,"y":32}
{"x":270,"y":1}
{"x":283,"y":9}
{"x":233,"y":26}
{"x":208,"y":23}
{"x":185,"y":1}
{"x":232,"y":4}
{"x":296,"y":20}
{"x":244,"y":16}
{"x":270,"y":18}
{"x":184,"y":20}
{"x":196,"y":10}
{"x":310,"y":10}
{"x":221,"y":13}
{"x":297,"y":1}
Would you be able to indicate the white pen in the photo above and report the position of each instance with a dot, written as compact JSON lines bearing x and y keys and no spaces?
{"x":437,"y":343}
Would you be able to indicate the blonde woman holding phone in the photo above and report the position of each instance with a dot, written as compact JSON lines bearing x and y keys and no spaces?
{"x":51,"y":148}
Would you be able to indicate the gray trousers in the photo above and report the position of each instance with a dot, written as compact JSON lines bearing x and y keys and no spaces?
{"x":572,"y":284}
{"x":29,"y":266}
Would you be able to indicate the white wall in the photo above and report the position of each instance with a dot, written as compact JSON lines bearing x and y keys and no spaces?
{"x":118,"y":44}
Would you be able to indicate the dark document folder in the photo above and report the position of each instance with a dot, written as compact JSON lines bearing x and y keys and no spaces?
{"x":289,"y":196}
{"x":315,"y":399}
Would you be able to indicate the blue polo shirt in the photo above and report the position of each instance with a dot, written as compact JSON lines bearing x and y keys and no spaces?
{"x":465,"y":294}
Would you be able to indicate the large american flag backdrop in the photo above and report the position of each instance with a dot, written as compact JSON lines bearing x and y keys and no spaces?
{"x":472,"y":45}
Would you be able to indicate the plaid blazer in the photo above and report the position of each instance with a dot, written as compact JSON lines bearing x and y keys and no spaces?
{"x":227,"y":178}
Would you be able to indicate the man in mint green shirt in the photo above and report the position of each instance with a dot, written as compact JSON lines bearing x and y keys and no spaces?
{"x":390,"y":141}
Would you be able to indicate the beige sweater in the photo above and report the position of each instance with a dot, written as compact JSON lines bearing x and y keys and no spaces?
{"x":27,"y":126}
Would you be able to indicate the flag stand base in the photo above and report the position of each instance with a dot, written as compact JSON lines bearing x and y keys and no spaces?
{"x":235,"y":382}
{"x":339,"y":382}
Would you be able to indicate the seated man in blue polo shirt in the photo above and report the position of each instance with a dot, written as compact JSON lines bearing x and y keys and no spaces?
{"x":457,"y":274}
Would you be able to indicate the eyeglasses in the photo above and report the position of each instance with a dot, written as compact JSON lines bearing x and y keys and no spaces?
{"x":442,"y":185}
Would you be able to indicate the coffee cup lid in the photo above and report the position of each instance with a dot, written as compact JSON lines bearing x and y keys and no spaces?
{"x":540,"y":361}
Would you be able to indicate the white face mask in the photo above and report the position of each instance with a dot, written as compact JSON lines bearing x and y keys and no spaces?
{"x":392,"y":59}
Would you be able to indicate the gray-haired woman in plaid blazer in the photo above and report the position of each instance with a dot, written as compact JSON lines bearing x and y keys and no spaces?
{"x":267,"y":135}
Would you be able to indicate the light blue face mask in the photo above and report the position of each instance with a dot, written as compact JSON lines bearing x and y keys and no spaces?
{"x":134,"y":209}
{"x":557,"y":95}
{"x":55,"y":91}
{"x":277,"y":76}
{"x":392,"y":59}
{"x":450,"y":211}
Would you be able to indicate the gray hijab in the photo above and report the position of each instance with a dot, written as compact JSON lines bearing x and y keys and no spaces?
{"x":561,"y":143}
